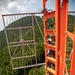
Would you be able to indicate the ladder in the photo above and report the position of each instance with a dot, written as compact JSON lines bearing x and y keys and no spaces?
{"x":49,"y":49}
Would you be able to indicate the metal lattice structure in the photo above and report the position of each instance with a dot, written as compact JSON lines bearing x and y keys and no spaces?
{"x":71,"y":35}
{"x":23,"y":45}
{"x":55,"y":38}
{"x":20,"y":36}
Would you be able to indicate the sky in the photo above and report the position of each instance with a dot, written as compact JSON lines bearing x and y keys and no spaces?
{"x":23,"y":6}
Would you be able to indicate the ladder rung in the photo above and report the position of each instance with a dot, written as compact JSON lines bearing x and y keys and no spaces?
{"x":50,"y":14}
{"x":51,"y":70}
{"x":51,"y":59}
{"x":50,"y":32}
{"x":50,"y":47}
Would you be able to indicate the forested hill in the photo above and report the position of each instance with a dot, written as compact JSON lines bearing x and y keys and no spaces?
{"x":2,"y":40}
{"x":5,"y":65}
{"x":22,"y":23}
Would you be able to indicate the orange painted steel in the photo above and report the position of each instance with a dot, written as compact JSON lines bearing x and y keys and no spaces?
{"x":63,"y":29}
{"x":57,"y":22}
{"x":48,"y":15}
{"x":71,"y":35}
{"x":72,"y":70}
{"x":61,"y":33}
{"x":44,"y":5}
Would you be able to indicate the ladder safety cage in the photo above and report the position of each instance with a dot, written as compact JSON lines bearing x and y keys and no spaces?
{"x":20,"y":36}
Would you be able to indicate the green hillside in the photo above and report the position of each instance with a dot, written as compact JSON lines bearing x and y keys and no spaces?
{"x":5,"y":65}
{"x":2,"y":40}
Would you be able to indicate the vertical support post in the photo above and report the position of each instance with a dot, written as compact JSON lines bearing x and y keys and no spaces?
{"x":44,"y":20}
{"x":72,"y":71}
{"x":20,"y":32}
{"x":34,"y":37}
{"x":7,"y":42}
{"x":38,"y":26}
{"x":57,"y":22}
{"x":63,"y":29}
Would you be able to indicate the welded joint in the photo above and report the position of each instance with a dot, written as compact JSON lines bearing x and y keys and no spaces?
{"x":59,"y":53}
{"x":65,"y":32}
{"x":63,"y":62}
{"x":63,"y":72}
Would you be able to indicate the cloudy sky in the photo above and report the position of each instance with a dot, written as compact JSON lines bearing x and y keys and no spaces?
{"x":22,"y":6}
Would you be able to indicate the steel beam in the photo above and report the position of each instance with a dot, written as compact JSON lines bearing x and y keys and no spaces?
{"x":72,"y":70}
{"x":57,"y":22}
{"x":63,"y":29}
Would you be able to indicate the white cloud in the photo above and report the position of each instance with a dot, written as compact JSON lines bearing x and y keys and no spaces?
{"x":11,"y":4}
{"x":32,"y":1}
{"x":14,"y":6}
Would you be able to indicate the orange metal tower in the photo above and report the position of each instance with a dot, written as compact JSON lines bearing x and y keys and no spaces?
{"x":56,"y":65}
{"x":54,"y":39}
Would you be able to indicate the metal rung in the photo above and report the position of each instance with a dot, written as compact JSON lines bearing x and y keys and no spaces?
{"x":51,"y":59}
{"x":51,"y":71}
{"x":50,"y":47}
{"x":49,"y":32}
{"x":22,"y":57}
{"x":21,"y":45}
{"x":22,"y":13}
{"x":50,"y":14}
{"x":18,"y":28}
{"x":40,"y":64}
{"x":25,"y":41}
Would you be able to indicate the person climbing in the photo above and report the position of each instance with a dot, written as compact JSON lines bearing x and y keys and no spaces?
{"x":51,"y":40}
{"x":50,"y":53}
